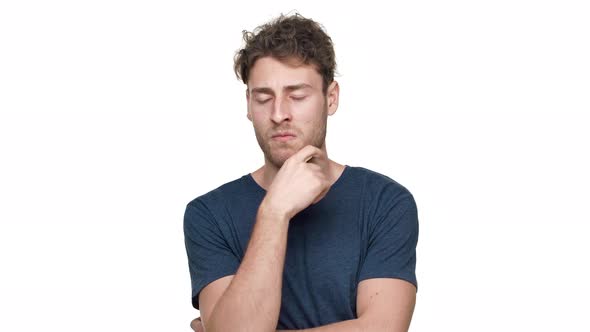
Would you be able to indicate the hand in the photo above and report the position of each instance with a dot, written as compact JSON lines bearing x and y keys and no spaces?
{"x":197,"y":325}
{"x":303,"y":179}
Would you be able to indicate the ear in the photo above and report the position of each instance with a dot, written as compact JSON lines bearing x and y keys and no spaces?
{"x":248,"y":114}
{"x":332,"y":95}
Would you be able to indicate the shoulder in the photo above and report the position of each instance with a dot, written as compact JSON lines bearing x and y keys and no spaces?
{"x":388,"y":203}
{"x":378,"y":185}
{"x":211,"y":207}
{"x":381,"y":194}
{"x":220,"y":194}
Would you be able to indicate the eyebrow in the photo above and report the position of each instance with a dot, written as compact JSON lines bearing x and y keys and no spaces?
{"x":287,"y":88}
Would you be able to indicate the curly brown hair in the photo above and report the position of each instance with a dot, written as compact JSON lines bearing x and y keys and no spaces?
{"x":284,"y":38}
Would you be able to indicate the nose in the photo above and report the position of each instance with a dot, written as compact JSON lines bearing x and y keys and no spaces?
{"x":280,"y":111}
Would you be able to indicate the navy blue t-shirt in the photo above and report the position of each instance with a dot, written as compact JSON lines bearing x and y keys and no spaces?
{"x":365,"y":227}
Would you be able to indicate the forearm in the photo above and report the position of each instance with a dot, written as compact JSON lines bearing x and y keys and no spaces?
{"x":352,"y":325}
{"x":255,"y":290}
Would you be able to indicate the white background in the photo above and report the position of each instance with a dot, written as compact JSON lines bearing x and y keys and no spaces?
{"x":115,"y":114}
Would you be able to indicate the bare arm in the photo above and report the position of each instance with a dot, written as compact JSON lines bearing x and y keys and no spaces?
{"x":255,"y":290}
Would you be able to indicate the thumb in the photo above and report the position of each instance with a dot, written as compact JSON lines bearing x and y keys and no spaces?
{"x":195,"y":324}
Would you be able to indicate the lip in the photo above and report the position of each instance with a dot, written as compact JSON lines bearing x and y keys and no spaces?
{"x":283,"y":136}
{"x":283,"y":133}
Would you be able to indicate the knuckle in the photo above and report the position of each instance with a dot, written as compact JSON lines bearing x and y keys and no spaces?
{"x":319,"y":182}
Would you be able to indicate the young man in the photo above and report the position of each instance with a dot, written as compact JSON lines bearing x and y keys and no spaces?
{"x":302,"y":242}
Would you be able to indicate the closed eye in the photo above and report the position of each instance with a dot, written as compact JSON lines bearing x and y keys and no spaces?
{"x":298,"y":98}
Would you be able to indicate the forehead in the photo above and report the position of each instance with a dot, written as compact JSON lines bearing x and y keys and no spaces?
{"x":269,"y":72}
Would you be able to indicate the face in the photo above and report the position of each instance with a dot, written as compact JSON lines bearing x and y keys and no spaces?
{"x":287,"y":97}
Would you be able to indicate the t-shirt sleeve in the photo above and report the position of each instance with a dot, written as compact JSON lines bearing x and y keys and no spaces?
{"x":392,"y":241}
{"x":209,"y":255}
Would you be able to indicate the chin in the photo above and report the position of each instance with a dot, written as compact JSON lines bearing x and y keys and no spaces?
{"x":278,"y":152}
{"x":279,"y":159}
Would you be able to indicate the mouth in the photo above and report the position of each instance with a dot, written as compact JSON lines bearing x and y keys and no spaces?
{"x":282,"y":137}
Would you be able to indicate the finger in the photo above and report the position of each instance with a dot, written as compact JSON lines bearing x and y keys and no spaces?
{"x":307,"y":152}
{"x":195,"y":323}
{"x":320,"y":159}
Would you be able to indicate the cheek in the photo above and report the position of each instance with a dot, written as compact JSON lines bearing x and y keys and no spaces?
{"x":256,"y":117}
{"x":259,"y":125}
{"x":309,"y":110}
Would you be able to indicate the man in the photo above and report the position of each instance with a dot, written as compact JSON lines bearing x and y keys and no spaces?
{"x":303,"y":242}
